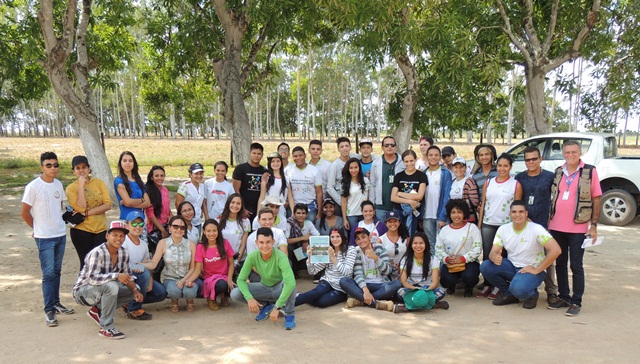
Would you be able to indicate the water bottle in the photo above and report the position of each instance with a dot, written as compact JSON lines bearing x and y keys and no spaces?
{"x":374,"y":237}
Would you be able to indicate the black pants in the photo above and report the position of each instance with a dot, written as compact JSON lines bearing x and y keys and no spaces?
{"x":85,"y":241}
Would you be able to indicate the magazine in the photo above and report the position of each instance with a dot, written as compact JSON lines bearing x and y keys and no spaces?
{"x":319,"y":249}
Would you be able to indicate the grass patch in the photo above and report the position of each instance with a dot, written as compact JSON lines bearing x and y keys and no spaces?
{"x":15,"y":163}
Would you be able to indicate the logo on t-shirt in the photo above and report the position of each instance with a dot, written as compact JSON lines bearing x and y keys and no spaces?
{"x":56,"y":194}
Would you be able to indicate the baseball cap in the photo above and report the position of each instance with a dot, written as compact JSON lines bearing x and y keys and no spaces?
{"x":459,"y":160}
{"x":134,"y":215}
{"x":272,"y":200}
{"x":274,"y":155}
{"x":391,"y":215}
{"x":118,"y":225}
{"x":361,"y":230}
{"x":328,"y":200}
{"x":365,"y":141}
{"x":79,"y":159}
{"x":196,"y":167}
{"x":448,"y":151}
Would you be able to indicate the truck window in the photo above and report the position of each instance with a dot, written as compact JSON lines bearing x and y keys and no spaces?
{"x":610,"y":147}
{"x":518,"y":153}
{"x":555,"y":152}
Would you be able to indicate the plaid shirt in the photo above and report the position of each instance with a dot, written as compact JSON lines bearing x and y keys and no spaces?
{"x":98,"y":269}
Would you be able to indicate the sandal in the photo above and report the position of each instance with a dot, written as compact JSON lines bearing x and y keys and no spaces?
{"x":173,"y":307}
{"x":191,"y":306}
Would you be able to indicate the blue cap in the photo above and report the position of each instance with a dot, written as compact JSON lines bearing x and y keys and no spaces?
{"x":392,"y":215}
{"x":134,"y":215}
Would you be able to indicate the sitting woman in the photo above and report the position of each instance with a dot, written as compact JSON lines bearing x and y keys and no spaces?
{"x":342,"y":257}
{"x":458,"y":247}
{"x":420,"y":279}
{"x":329,"y":219}
{"x":370,"y":222}
{"x":395,"y":241}
{"x":178,"y":253}
{"x":234,"y":228}
{"x":186,"y":210}
{"x":214,"y":261}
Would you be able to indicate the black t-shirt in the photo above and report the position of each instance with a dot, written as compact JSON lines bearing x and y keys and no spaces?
{"x":249,"y":178}
{"x":407,"y":183}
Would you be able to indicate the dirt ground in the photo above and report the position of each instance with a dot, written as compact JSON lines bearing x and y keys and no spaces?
{"x":472,"y":330}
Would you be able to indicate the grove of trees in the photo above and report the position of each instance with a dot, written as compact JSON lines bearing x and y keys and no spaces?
{"x":246,"y":70}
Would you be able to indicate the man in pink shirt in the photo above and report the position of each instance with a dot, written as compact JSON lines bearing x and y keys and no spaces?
{"x":575,"y":210}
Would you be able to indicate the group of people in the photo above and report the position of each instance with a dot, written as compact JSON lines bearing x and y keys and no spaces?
{"x":404,"y":231}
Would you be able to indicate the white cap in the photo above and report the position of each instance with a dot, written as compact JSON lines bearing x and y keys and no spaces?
{"x":459,"y":160}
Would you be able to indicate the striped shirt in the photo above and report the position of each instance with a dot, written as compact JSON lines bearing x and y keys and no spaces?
{"x":98,"y":269}
{"x":366,"y":270}
{"x":334,"y":272}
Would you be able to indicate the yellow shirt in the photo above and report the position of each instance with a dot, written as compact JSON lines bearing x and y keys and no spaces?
{"x":96,"y":194}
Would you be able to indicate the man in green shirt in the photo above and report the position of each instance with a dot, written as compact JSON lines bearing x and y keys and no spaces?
{"x":277,"y":288}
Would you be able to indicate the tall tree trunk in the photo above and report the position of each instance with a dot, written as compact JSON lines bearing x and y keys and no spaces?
{"x":512,"y":103}
{"x":298,"y":100}
{"x":402,"y":134}
{"x":58,"y":47}
{"x":535,"y":117}
{"x":172,"y":120}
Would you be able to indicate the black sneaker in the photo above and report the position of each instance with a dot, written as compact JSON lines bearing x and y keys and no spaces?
{"x":560,"y":303}
{"x":50,"y":319}
{"x":531,"y":302}
{"x":468,"y":292}
{"x":139,"y":315}
{"x":552,"y":298}
{"x":113,"y":334}
{"x":451,"y":290}
{"x":61,"y":309}
{"x":504,"y":299}
{"x":573,"y":310}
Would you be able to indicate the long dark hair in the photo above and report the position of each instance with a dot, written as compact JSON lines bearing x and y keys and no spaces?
{"x":409,"y":255}
{"x":154,"y":192}
{"x":219,"y":240}
{"x":134,"y":173}
{"x":323,"y":220}
{"x":346,"y":177}
{"x":272,"y":178}
{"x":344,"y":246}
{"x":224,"y":217}
{"x":180,"y":211}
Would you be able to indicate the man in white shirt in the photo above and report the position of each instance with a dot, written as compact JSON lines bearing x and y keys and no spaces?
{"x":42,"y":211}
{"x":334,"y":179}
{"x":306,"y":184}
{"x":519,"y":275}
{"x":315,"y":151}
{"x":266,"y":217}
{"x":437,"y":196}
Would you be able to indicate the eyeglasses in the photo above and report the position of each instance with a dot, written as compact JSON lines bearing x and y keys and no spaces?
{"x":179,"y":227}
{"x":397,"y":251}
{"x":389,"y":145}
{"x":50,"y":165}
{"x":137,"y":224}
{"x":531,"y":159}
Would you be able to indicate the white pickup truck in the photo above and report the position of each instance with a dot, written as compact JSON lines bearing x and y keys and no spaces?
{"x":619,"y":176}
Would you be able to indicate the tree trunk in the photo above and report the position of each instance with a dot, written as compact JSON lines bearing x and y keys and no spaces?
{"x":172,"y":120}
{"x":57,"y":52}
{"x":402,"y":134}
{"x":535,"y":117}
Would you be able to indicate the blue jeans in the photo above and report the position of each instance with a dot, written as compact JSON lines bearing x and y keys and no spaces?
{"x":262,"y":293}
{"x":522,"y":286}
{"x":430,"y":227}
{"x":175,"y":293}
{"x":470,"y":276}
{"x":379,"y":291}
{"x":51,"y":253}
{"x":353,"y":224}
{"x":322,"y":296}
{"x":157,"y":294}
{"x":381,"y":214}
{"x":571,"y":245}
{"x":313,"y":211}
{"x":410,"y":220}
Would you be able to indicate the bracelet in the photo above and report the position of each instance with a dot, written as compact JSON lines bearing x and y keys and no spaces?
{"x":594,"y":224}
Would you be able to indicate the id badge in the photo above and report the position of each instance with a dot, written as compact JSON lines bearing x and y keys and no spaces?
{"x":391,"y":179}
{"x":565,"y":195}
{"x":531,"y":198}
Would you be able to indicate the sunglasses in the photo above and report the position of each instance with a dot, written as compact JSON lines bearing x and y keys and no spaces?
{"x":389,"y":145}
{"x":179,"y":227}
{"x":52,"y":165}
{"x":531,"y":159}
{"x":397,"y":251}
{"x":137,"y":224}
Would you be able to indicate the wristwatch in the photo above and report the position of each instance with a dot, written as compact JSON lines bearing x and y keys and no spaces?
{"x":594,"y":224}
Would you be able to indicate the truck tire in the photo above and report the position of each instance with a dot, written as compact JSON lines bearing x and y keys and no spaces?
{"x":618,"y":207}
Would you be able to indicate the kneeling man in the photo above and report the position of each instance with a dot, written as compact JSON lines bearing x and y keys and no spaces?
{"x":525,"y":269}
{"x":277,"y":287}
{"x":105,"y":283}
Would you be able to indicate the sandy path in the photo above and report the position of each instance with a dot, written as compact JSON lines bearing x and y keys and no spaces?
{"x":471,"y":330}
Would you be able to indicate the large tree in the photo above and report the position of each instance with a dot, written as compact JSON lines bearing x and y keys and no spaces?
{"x":546,"y":34}
{"x":69,"y":62}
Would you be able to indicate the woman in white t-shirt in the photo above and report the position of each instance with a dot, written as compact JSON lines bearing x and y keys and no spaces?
{"x":186,"y":210}
{"x":459,"y":242}
{"x":497,"y":195}
{"x":193,"y":191}
{"x":395,"y":241}
{"x":419,"y":270}
{"x":274,"y":183}
{"x":370,"y":222}
{"x":217,"y":190}
{"x":235,"y":228}
{"x":355,"y":190}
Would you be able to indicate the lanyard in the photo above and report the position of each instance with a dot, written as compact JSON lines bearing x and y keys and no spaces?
{"x":573,"y":176}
